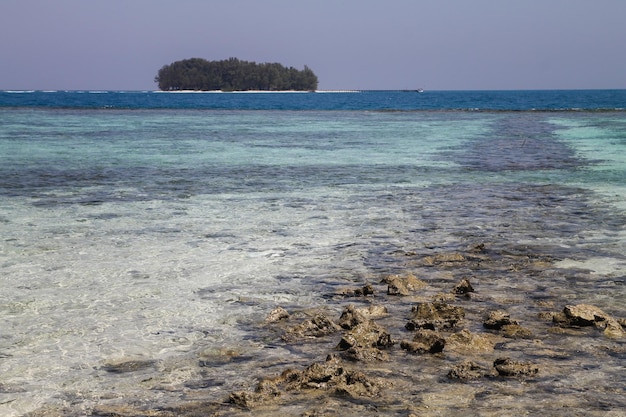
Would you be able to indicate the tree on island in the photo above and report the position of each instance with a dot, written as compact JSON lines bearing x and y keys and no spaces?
{"x":233,"y":75}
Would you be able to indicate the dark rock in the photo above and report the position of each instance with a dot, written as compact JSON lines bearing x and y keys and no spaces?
{"x":508,"y":367}
{"x":435,"y":316}
{"x":424,"y":341}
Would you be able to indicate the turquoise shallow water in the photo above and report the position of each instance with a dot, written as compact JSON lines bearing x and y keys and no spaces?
{"x":162,"y":233}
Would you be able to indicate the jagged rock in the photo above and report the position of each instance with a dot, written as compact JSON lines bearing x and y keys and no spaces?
{"x":467,"y":371}
{"x":509,"y":367}
{"x":351,"y":317}
{"x":330,"y":376}
{"x":584,"y":315}
{"x":403,"y":284}
{"x":463,"y":287}
{"x":245,"y":399}
{"x":276,"y":315}
{"x":318,"y":326}
{"x":435,"y":316}
{"x":588,"y":315}
{"x":424,"y":341}
{"x":497,"y":319}
{"x":365,"y":341}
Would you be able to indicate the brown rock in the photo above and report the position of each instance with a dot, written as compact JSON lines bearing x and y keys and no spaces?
{"x":318,"y":326}
{"x":403,"y":284}
{"x":467,"y":371}
{"x":330,"y":375}
{"x":351,"y":317}
{"x":584,"y":314}
{"x":276,"y":315}
{"x":424,"y":341}
{"x":368,"y":335}
{"x":364,"y":291}
{"x":497,"y":319}
{"x":435,"y":316}
{"x":467,"y":342}
{"x":516,"y":331}
{"x":463,"y":287}
{"x":508,"y":367}
{"x":588,"y":315}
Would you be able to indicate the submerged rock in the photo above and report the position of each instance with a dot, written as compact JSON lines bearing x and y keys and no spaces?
{"x":509,"y":367}
{"x":435,"y":316}
{"x":128,"y":366}
{"x":364,"y":291}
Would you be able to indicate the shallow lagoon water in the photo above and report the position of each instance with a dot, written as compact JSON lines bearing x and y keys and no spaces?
{"x":166,"y":236}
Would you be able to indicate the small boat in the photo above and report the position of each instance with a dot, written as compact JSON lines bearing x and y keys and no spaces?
{"x":419,"y":90}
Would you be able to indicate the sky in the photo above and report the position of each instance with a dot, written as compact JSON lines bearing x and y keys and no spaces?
{"x":349,"y":44}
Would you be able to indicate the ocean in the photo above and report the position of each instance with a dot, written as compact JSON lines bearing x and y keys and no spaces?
{"x":145,"y":236}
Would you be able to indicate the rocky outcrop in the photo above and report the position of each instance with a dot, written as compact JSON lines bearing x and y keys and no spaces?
{"x":583,"y":315}
{"x":435,"y":316}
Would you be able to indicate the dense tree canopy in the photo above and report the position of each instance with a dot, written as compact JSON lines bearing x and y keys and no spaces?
{"x":233,"y":75}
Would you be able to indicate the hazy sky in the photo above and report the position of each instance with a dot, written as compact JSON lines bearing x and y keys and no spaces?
{"x":349,"y":44}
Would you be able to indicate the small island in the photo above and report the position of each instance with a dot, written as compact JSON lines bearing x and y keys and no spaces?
{"x":233,"y":75}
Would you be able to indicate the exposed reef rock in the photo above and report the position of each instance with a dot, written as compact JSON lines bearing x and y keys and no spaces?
{"x":464,"y":287}
{"x":583,"y":315}
{"x":435,"y":316}
{"x":508,"y":367}
{"x":318,"y":326}
{"x":424,"y":341}
{"x":276,"y":315}
{"x":331,"y":376}
{"x":366,"y":290}
{"x":403,"y":284}
{"x":468,"y":371}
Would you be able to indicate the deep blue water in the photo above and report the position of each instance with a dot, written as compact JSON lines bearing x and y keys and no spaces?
{"x":362,"y":100}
